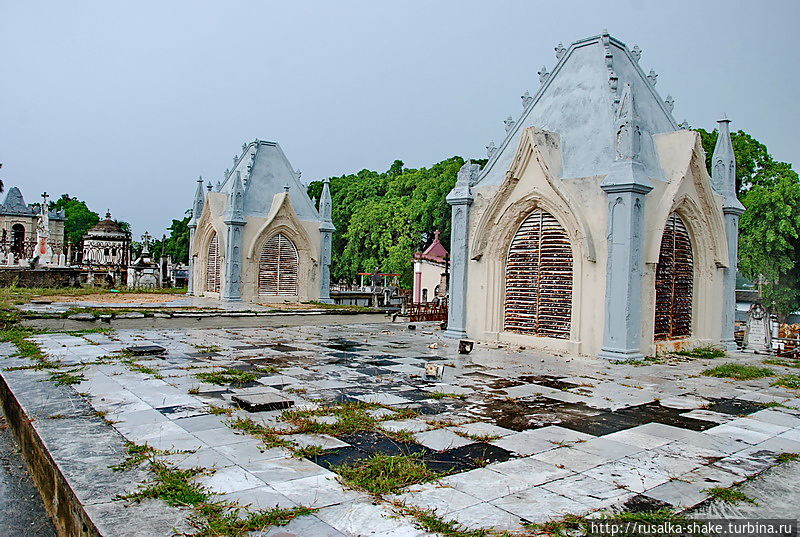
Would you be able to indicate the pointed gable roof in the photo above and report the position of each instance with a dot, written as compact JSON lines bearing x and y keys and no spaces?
{"x":578,"y":101}
{"x":15,"y":204}
{"x":266,"y":171}
{"x":436,"y":251}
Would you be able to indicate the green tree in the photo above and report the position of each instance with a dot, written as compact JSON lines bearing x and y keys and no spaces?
{"x":176,"y":245}
{"x":769,"y":230}
{"x":381,"y":218}
{"x":80,"y":218}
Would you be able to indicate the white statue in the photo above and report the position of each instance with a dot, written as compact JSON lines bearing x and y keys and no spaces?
{"x":43,"y":250}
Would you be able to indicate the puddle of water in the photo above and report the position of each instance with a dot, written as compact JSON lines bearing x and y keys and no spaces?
{"x":344,"y":345}
{"x":735,"y":407}
{"x":654,"y":412}
{"x":548,"y":381}
{"x":643,"y":504}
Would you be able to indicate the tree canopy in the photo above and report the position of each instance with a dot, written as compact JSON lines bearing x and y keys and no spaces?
{"x":769,"y":231}
{"x":382,"y":218}
{"x":80,"y":218}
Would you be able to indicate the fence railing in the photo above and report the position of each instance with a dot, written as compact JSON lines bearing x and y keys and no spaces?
{"x":427,"y":311}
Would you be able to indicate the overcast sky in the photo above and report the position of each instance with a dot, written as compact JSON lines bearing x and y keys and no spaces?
{"x":124,"y":104}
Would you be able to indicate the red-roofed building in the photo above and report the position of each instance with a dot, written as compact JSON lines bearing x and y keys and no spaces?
{"x":430,"y":268}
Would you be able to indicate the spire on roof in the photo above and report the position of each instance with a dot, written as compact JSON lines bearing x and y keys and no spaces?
{"x":108,"y":214}
{"x":629,"y":135}
{"x":723,"y":165}
{"x":325,"y":203}
{"x":199,"y":200}
{"x":236,"y":200}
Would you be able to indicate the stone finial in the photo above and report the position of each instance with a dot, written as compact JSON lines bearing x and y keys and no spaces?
{"x":509,"y":123}
{"x":227,"y":172}
{"x":669,"y":102}
{"x":490,"y":149}
{"x":652,"y":76}
{"x":286,"y":188}
{"x":560,"y":51}
{"x":108,"y":214}
{"x":468,"y":174}
{"x":298,"y":173}
{"x":199,"y":200}
{"x":325,"y":202}
{"x":209,"y":186}
{"x":236,"y":199}
{"x":543,"y":74}
{"x":628,"y":142}
{"x":684,"y":125}
{"x":244,"y":146}
{"x":636,"y":52}
{"x":235,"y":160}
{"x":723,"y":161}
{"x":526,"y":99}
{"x":219,"y":186}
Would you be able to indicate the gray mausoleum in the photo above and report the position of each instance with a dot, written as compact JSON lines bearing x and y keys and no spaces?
{"x":257,"y":236}
{"x":594,"y":227}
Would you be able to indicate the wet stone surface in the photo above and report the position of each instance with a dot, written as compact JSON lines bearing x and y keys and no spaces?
{"x":521,"y":435}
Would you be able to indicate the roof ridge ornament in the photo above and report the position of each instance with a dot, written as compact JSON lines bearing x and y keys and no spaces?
{"x":636,"y":52}
{"x":490,"y":149}
{"x":613,"y":79}
{"x":509,"y":123}
{"x":652,"y":76}
{"x":684,"y":125}
{"x":669,"y":102}
{"x":209,"y":186}
{"x":560,"y":51}
{"x":526,"y":99}
{"x":543,"y":74}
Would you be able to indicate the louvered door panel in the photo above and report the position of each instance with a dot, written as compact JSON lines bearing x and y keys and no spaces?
{"x":674,"y":282}
{"x":277,"y":267}
{"x":213,"y":265}
{"x":539,"y":278}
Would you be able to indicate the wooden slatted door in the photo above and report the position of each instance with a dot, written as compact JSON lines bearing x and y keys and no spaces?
{"x":213,"y":266}
{"x":674,"y":282}
{"x":539,"y":278}
{"x":277,"y":267}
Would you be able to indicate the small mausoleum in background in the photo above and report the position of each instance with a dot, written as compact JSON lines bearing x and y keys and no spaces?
{"x":594,"y":227}
{"x":104,"y":254}
{"x":430,"y":272}
{"x":257,"y":236}
{"x":23,"y":227}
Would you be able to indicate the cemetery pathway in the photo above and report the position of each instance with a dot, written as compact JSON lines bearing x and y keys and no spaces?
{"x":23,"y":512}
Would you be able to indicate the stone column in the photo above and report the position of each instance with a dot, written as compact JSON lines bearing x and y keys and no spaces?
{"x":232,"y":285}
{"x":727,"y":339}
{"x":190,"y":283}
{"x":326,"y":229}
{"x":723,"y":180}
{"x":460,"y":198}
{"x":624,"y":272}
{"x":626,"y":186}
{"x":233,"y":261}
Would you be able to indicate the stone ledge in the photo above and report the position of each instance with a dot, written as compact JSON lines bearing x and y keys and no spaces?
{"x":69,"y":459}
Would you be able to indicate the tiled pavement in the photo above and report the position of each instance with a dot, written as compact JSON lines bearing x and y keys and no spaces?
{"x":561,"y":434}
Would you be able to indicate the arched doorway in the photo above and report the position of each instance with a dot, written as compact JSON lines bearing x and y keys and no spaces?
{"x":18,"y":240}
{"x":277,"y":267}
{"x":213,"y":265}
{"x":674,"y":282}
{"x":539,"y":278}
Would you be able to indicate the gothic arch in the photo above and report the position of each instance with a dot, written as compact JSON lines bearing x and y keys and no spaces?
{"x":674,"y":282}
{"x":213,"y":265}
{"x":278,"y":267}
{"x":538,"y":276}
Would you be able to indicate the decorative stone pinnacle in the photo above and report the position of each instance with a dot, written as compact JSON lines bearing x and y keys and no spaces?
{"x":490,"y":149}
{"x":526,"y":99}
{"x":669,"y":102}
{"x":543,"y":74}
{"x":636,"y":52}
{"x":227,"y":172}
{"x":509,"y":122}
{"x":209,"y":187}
{"x":200,"y":179}
{"x":684,"y":125}
{"x":286,"y":188}
{"x":652,"y":76}
{"x":108,"y":214}
{"x":560,"y":51}
{"x":244,"y":146}
{"x":235,"y":159}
